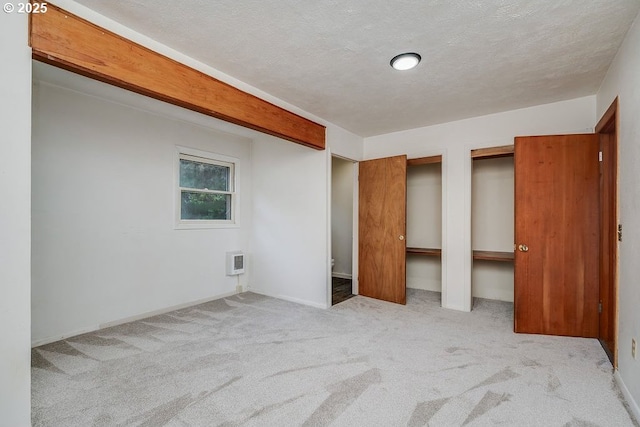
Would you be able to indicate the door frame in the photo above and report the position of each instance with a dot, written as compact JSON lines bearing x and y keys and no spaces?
{"x":354,"y":237}
{"x":609,"y":124}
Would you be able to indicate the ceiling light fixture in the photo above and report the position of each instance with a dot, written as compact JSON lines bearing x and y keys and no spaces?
{"x":405,"y":61}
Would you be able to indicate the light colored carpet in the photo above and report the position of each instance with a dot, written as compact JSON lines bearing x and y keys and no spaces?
{"x":258,"y":361}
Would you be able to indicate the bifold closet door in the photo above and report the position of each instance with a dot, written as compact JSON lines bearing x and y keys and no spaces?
{"x":382,"y":227}
{"x":557,"y":235}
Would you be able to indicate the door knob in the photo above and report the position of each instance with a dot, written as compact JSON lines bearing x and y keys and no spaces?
{"x":401,"y":237}
{"x":523,"y":248}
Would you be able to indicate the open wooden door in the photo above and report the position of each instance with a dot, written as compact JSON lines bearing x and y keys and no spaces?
{"x":557,"y":235}
{"x":382,"y":226}
{"x":607,"y":129}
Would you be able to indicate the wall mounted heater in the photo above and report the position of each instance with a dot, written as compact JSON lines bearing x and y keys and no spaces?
{"x":235,"y":263}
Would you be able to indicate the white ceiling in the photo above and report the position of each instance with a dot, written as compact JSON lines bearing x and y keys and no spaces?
{"x":331,"y":58}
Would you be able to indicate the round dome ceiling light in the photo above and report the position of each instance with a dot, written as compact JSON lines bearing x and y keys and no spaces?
{"x":405,"y":61}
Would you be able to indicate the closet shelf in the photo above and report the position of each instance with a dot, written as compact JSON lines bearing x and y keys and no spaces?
{"x":479,"y":255}
{"x":493,"y":152}
{"x":493,"y":256}
{"x":425,"y":251}
{"x":424,"y":160}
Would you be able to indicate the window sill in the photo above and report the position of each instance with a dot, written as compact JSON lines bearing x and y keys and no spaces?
{"x":184,"y":225}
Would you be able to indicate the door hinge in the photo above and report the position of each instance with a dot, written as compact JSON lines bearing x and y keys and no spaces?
{"x":599,"y":156}
{"x":600,"y":307}
{"x":619,"y":232}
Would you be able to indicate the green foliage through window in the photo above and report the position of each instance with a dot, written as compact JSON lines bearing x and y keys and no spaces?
{"x":205,"y":206}
{"x":206,"y":189}
{"x":204,"y":175}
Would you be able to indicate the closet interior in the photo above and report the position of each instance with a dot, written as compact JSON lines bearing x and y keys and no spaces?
{"x":424,"y":223}
{"x":492,"y":223}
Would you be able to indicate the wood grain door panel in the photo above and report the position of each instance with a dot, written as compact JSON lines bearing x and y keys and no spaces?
{"x":382,"y":228}
{"x":557,"y":218}
{"x":608,"y":243}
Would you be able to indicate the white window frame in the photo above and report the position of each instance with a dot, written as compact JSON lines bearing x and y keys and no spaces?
{"x":215,"y":159}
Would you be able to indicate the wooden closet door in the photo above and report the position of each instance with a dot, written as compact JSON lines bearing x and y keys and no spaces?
{"x":382,"y":226}
{"x":557,"y":235}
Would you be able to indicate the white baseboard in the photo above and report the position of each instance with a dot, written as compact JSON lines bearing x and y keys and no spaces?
{"x":341,"y":275}
{"x":88,"y":329}
{"x":633,"y":405}
{"x":290,"y":299}
{"x":54,"y":338}
{"x":425,"y":285}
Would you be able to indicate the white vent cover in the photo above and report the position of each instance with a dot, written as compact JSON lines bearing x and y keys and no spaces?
{"x":235,"y":263}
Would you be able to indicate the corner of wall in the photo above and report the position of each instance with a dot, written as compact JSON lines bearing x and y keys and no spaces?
{"x":15,"y":225}
{"x":631,"y":402}
{"x":622,"y":80}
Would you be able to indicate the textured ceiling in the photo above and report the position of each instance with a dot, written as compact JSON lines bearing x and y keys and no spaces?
{"x":331,"y":57}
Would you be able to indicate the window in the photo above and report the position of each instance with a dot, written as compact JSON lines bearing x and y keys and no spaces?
{"x":206,"y":194}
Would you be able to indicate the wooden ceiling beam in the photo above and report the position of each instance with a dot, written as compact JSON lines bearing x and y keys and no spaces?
{"x":62,"y":39}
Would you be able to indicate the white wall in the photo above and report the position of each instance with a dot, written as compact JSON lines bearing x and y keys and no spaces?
{"x":339,"y":142}
{"x":15,"y":177}
{"x":424,"y":225}
{"x":291,"y":219}
{"x":343,"y":143}
{"x":105,"y":247}
{"x":342,"y":184}
{"x":454,"y":141}
{"x":623,"y":80}
{"x":492,"y":226}
{"x":290,"y":238}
